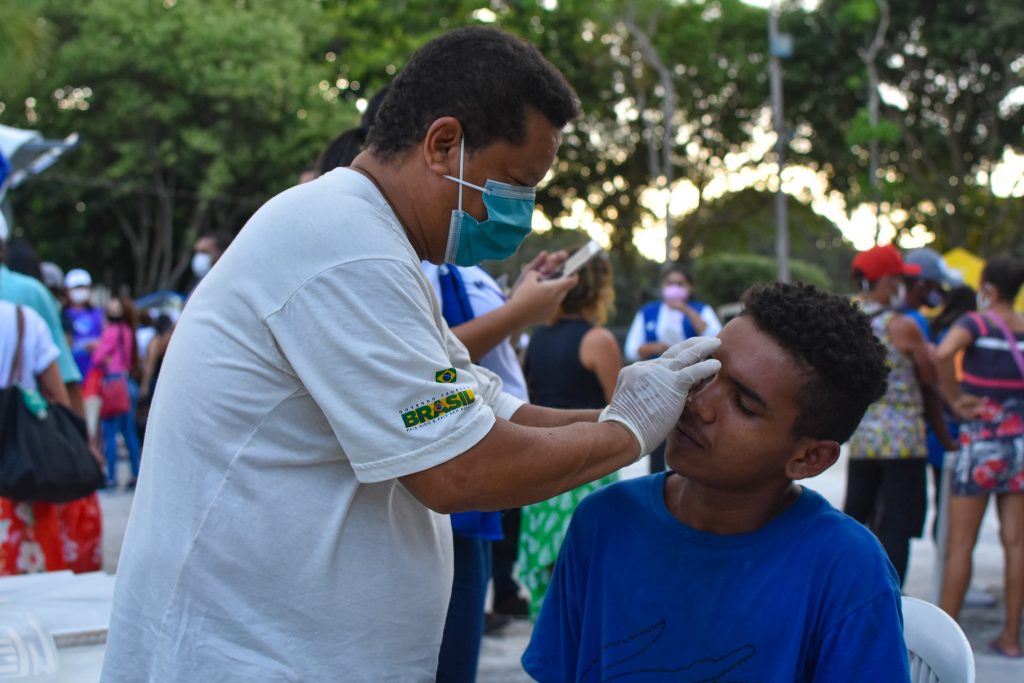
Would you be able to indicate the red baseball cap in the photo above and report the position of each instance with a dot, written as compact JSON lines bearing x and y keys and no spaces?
{"x":877,"y":262}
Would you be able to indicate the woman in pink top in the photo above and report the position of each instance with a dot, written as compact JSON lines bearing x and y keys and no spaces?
{"x":116,"y":356}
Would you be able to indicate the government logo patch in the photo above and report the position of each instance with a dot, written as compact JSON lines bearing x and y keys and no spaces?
{"x":446,"y":376}
{"x":437,"y":408}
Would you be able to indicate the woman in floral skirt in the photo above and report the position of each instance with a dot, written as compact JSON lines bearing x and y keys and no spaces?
{"x":990,"y":401}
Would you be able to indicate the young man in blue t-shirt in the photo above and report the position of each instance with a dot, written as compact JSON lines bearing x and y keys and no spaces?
{"x":723,"y":568}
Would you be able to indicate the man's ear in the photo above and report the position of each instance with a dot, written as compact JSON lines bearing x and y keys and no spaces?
{"x":814,"y":458}
{"x":441,"y":146}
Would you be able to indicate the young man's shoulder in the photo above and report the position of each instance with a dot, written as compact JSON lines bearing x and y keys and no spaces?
{"x":836,"y":545}
{"x":837,"y":529}
{"x":625,"y":496}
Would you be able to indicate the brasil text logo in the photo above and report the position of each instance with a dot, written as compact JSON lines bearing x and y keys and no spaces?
{"x":445,"y":376}
{"x":438,"y":408}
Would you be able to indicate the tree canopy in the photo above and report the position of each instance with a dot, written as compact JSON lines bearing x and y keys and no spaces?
{"x":194,"y":113}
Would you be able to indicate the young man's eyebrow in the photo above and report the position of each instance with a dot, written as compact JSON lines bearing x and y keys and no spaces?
{"x":748,"y":392}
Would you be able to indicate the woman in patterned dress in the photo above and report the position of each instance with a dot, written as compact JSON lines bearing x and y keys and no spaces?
{"x":571,"y":363}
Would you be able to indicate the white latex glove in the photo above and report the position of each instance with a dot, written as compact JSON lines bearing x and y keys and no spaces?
{"x":650,"y":395}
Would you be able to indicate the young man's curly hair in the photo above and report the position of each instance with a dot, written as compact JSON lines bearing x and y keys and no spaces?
{"x":485,"y":78}
{"x":832,"y":341}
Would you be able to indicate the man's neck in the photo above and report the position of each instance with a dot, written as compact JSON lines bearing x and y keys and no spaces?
{"x":726,"y":512}
{"x":394,"y":181}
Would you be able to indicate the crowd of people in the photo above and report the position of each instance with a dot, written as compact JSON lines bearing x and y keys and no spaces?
{"x":101,"y":356}
{"x":348,"y":386}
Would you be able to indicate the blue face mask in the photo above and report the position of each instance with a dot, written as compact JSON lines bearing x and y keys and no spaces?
{"x":509,"y":221}
{"x":935,"y":299}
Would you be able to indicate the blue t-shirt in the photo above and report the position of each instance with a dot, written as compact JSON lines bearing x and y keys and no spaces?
{"x":86,"y":328}
{"x":919,"y":320}
{"x":638,"y":596}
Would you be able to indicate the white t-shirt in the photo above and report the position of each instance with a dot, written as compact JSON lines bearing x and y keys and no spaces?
{"x":38,"y":349}
{"x":270,"y":538}
{"x":485,"y":296}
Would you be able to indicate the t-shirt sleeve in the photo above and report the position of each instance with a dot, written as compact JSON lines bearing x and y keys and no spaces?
{"x":969,"y":323}
{"x":866,"y":645}
{"x":714,"y":326}
{"x":502,"y":403}
{"x":491,"y":386}
{"x":40,"y":348}
{"x":553,"y":652}
{"x":634,"y":338}
{"x":367,"y":342}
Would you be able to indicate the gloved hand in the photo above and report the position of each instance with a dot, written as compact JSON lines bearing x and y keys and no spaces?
{"x":650,"y":395}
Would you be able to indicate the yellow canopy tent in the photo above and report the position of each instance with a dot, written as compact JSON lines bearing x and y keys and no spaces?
{"x":970,"y":266}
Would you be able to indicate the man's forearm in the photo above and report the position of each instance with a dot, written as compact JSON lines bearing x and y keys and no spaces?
{"x":483,"y":333}
{"x":538,"y":416}
{"x":516,"y":465}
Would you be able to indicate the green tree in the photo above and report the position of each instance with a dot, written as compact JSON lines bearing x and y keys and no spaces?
{"x":952,"y":73}
{"x":25,"y":40}
{"x":191,"y":115}
{"x":743,"y":222}
{"x":722,"y":279}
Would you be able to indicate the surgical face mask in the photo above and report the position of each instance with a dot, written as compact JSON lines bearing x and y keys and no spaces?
{"x":509,"y":221}
{"x":677,"y":293}
{"x":934,"y":299}
{"x":983,"y":300}
{"x":201,"y":264}
{"x":899,"y":296}
{"x":79,"y":295}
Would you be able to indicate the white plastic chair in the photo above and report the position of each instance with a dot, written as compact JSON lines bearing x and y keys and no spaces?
{"x":939,"y":651}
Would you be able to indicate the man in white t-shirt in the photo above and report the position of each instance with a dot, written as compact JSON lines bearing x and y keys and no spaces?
{"x":316,"y":420}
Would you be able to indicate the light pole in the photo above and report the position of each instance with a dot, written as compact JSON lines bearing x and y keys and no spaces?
{"x":780,"y":45}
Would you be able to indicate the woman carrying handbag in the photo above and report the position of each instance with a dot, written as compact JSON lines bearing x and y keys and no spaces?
{"x":116,"y":357}
{"x":40,"y":536}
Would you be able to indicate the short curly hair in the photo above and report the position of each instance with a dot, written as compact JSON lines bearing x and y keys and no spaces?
{"x":832,"y":342}
{"x":485,"y":78}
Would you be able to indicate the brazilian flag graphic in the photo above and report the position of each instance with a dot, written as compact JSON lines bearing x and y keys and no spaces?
{"x":446,"y":376}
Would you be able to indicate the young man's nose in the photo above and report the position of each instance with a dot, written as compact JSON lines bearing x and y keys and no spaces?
{"x":702,"y":401}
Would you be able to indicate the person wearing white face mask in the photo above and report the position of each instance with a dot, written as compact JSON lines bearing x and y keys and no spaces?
{"x":886,"y":486}
{"x":316,"y":420}
{"x":86,"y":320}
{"x":207,"y":251}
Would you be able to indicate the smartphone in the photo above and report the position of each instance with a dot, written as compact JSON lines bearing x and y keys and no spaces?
{"x":578,"y":260}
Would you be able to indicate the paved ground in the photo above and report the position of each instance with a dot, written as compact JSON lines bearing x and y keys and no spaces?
{"x":500,"y":655}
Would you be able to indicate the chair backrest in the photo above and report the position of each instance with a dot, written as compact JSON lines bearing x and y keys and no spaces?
{"x":939,"y":651}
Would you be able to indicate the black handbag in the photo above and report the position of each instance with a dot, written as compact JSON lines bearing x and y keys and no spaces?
{"x":44,"y":448}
